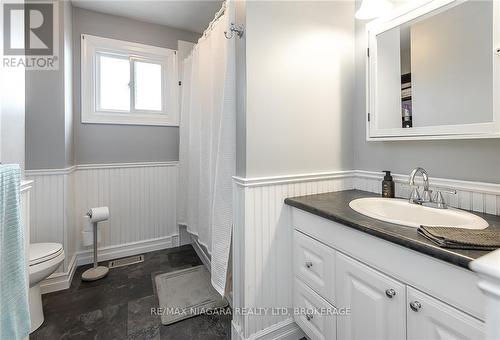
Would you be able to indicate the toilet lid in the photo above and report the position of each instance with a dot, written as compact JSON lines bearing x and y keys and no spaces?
{"x":41,"y":252}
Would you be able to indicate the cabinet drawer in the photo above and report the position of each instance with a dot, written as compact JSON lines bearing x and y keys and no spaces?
{"x":314,"y":263}
{"x":314,"y":315}
{"x":429,"y":319}
{"x":376,"y":302}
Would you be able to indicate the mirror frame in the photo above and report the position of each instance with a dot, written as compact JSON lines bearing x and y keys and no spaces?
{"x":401,"y":15}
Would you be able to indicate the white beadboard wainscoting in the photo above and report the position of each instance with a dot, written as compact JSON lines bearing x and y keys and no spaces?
{"x":141,"y":198}
{"x":142,"y":201}
{"x":52,"y":209}
{"x":262,"y":249}
{"x":262,"y":270}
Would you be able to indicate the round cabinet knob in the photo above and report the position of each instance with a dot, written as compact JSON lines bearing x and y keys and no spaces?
{"x":390,"y":293}
{"x":309,"y":317}
{"x":309,"y":264}
{"x":415,"y":306}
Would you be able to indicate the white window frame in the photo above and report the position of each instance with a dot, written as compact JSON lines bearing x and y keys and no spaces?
{"x":92,"y":47}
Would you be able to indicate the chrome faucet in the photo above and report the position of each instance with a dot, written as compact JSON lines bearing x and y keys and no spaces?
{"x":426,"y":197}
{"x":415,"y":195}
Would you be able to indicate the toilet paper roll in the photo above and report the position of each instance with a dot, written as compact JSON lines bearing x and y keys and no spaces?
{"x":99,"y":214}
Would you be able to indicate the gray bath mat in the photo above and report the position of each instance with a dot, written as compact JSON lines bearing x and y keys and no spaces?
{"x":186,"y":293}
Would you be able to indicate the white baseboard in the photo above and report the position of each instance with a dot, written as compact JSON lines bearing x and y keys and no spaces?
{"x":61,"y":281}
{"x":127,"y":249}
{"x":184,"y":236}
{"x":200,"y":251}
{"x":285,"y":330}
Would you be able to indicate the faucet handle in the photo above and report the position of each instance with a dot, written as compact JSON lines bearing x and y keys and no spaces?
{"x":447,"y":191}
{"x":439,"y":199}
{"x":426,"y":195}
{"x":414,"y":195}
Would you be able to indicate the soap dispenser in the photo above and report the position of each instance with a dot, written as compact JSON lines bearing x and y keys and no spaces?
{"x":387,"y":185}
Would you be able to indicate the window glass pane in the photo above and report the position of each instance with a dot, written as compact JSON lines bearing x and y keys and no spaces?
{"x":147,"y":78}
{"x":114,"y":83}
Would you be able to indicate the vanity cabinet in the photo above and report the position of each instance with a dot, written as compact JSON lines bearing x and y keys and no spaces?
{"x":314,"y":264}
{"x":349,"y":285}
{"x":429,"y":318}
{"x":377,"y":302}
{"x":317,"y":326}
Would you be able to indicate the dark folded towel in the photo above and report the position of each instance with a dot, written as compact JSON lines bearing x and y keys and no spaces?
{"x":460,"y":238}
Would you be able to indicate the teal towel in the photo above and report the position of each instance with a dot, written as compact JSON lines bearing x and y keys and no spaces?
{"x":14,"y":313}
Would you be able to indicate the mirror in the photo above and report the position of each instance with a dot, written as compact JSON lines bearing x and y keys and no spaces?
{"x":433,"y":74}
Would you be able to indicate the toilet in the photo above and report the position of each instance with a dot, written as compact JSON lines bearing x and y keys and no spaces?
{"x":44,"y":259}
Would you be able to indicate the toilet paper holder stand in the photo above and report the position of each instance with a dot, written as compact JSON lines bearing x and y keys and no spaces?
{"x":96,"y":272}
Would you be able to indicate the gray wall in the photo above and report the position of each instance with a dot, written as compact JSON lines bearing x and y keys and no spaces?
{"x":476,"y":160}
{"x":68,"y":84}
{"x":45,"y":120}
{"x":299,"y":86}
{"x":99,"y":143}
{"x":55,"y":138}
{"x":49,"y":140}
{"x":12,"y":115}
{"x":240,"y":8}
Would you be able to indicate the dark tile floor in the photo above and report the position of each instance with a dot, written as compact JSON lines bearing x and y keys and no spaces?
{"x":119,"y":305}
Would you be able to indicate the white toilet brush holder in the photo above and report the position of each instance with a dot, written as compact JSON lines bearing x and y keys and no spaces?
{"x":96,"y":272}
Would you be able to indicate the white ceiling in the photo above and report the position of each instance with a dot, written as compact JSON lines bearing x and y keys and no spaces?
{"x":191,"y":15}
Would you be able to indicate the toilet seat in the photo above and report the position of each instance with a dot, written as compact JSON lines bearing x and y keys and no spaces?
{"x":43,"y":252}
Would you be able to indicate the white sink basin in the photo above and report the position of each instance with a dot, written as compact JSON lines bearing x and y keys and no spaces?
{"x":400,"y":211}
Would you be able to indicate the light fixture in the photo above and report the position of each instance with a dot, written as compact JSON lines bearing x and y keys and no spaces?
{"x":371,"y":9}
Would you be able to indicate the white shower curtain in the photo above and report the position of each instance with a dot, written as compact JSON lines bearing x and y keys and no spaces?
{"x":207,"y":145}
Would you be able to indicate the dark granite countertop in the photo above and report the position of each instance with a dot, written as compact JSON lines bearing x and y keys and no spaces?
{"x":335,"y":206}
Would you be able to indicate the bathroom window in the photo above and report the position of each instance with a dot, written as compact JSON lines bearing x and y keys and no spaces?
{"x":128,"y":83}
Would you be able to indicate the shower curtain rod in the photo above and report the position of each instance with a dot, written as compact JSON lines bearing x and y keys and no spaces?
{"x":219,"y":13}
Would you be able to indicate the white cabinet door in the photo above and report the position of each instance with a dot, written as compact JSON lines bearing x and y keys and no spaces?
{"x":314,"y":263}
{"x":376,"y":302}
{"x":429,"y":319}
{"x":314,"y":315}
